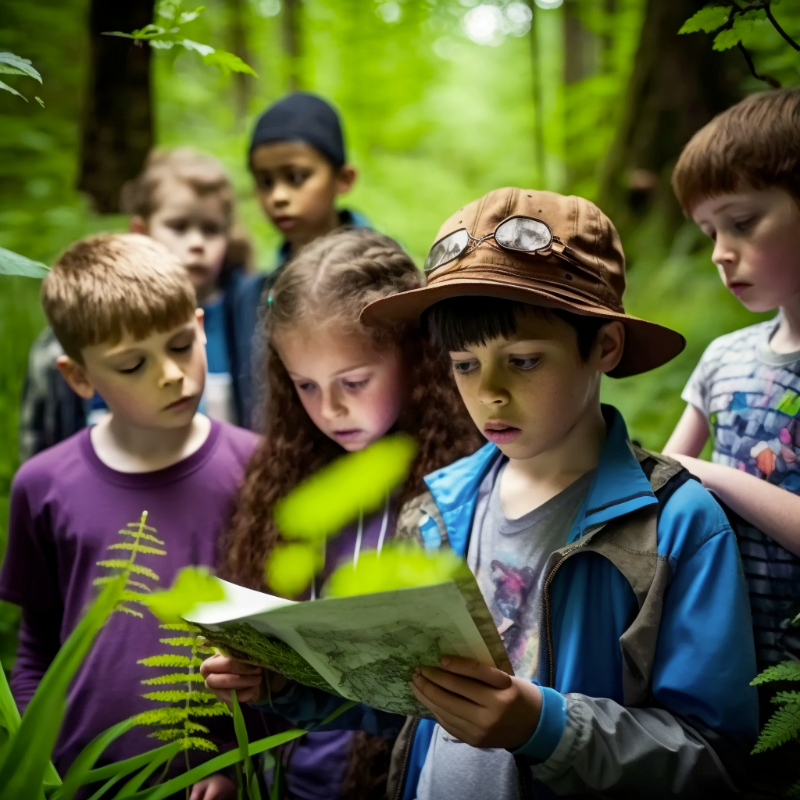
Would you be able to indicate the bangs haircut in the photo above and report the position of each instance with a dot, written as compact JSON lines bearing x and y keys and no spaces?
{"x":459,"y":322}
{"x":108,"y":285}
{"x":755,"y":143}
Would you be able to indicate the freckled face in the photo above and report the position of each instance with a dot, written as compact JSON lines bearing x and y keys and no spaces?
{"x":352,"y":391}
{"x":756,"y":235}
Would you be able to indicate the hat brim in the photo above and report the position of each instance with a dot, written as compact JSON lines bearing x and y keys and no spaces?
{"x":647,"y":344}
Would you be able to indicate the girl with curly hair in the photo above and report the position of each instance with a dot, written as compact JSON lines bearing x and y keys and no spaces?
{"x":333,"y":386}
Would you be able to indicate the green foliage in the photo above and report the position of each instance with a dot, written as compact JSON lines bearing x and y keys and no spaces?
{"x":167,"y":34}
{"x":352,"y":485}
{"x":12,"y":263}
{"x":291,"y":567}
{"x":785,"y":671}
{"x":248,"y":778}
{"x":11,"y":64}
{"x":192,"y":585}
{"x":708,"y":19}
{"x":399,"y":565}
{"x":24,"y":762}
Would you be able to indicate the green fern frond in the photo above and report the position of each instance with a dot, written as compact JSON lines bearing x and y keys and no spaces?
{"x":130,"y":611}
{"x":178,"y":626}
{"x":785,"y":697}
{"x":147,"y":537}
{"x":170,"y":660}
{"x":139,"y":585}
{"x":167,"y":734}
{"x":785,"y":671}
{"x":133,"y":597}
{"x":138,"y":548}
{"x":163,"y":716}
{"x":174,"y":678}
{"x":781,"y":727}
{"x":124,"y":565}
{"x":197,"y":743}
{"x":178,"y":641}
{"x":217,"y":710}
{"x":794,"y":791}
{"x":180,"y":696}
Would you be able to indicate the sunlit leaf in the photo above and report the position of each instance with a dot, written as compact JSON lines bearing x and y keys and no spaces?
{"x":228,"y":62}
{"x":728,"y":38}
{"x":707,"y":19}
{"x":39,"y":101}
{"x":192,"y":585}
{"x":399,"y":566}
{"x":11,"y":64}
{"x":204,"y":49}
{"x":12,"y":263}
{"x":291,"y":567}
{"x":191,"y":16}
{"x":354,"y":484}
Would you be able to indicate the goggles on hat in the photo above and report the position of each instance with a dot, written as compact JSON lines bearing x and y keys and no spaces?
{"x":520,"y":234}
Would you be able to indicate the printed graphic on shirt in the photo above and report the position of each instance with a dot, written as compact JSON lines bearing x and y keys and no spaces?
{"x":510,"y":609}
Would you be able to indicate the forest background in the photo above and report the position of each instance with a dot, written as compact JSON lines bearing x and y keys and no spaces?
{"x":442,"y":100}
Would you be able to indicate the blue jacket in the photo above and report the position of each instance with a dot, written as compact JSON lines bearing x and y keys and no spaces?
{"x":246,"y":301}
{"x":645,"y":675}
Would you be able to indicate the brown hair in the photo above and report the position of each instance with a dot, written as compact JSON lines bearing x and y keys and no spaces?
{"x":205,"y":176}
{"x":115,"y":283}
{"x":755,"y":143}
{"x":333,"y":279}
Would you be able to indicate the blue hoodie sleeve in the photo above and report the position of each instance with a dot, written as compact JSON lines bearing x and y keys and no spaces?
{"x":702,"y":722}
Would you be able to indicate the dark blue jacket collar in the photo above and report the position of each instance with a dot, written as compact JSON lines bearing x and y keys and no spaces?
{"x":346,"y":217}
{"x":619,"y":486}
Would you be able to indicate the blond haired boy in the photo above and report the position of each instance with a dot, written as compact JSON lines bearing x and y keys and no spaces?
{"x":124,"y":311}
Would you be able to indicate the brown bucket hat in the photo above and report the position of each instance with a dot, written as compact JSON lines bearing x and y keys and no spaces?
{"x":581,"y":270}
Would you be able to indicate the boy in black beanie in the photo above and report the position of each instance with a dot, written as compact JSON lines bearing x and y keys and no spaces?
{"x":297,"y":157}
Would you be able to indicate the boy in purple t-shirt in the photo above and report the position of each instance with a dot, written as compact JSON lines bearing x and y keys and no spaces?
{"x":124,"y":311}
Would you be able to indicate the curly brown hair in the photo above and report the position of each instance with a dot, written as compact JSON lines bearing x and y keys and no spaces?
{"x":335,"y":278}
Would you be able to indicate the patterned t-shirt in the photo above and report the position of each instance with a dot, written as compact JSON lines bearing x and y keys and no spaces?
{"x":750,"y":396}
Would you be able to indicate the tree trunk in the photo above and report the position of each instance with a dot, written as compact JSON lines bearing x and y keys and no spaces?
{"x":677,"y":85}
{"x":117,"y":130}
{"x":237,"y":25}
{"x":290,"y":20}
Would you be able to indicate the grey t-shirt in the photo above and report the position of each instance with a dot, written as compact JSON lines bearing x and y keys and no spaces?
{"x":508,"y":557}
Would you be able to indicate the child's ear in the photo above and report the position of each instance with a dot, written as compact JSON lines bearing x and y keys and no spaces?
{"x":200,"y":316}
{"x":75,"y":375}
{"x":345,"y":178}
{"x":609,"y":345}
{"x":137,"y":224}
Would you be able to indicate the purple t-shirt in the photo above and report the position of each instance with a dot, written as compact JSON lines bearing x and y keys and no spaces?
{"x":67,"y":508}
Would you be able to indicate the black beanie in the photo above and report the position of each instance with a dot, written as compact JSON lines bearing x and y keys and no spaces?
{"x":302,"y":117}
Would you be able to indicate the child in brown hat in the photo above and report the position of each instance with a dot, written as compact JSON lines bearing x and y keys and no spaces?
{"x":613,"y":578}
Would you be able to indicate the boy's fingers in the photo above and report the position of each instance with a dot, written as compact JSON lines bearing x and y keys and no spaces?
{"x":470,"y":668}
{"x":228,"y":680}
{"x":226,"y":664}
{"x":451,"y":704}
{"x":453,"y":725}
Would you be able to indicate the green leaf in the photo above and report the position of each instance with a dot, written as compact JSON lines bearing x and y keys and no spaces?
{"x":727,"y":39}
{"x":174,"y":678}
{"x":7,"y":88}
{"x":398,"y":566}
{"x":228,"y":62}
{"x":240,"y":729}
{"x":76,"y":775}
{"x":203,"y":49}
{"x":14,"y":65}
{"x":785,"y":671}
{"x":190,"y":16}
{"x":39,"y":100}
{"x":192,"y":585}
{"x":291,"y":567}
{"x":25,"y":762}
{"x":707,"y":19}
{"x":785,"y":697}
{"x":781,"y":727}
{"x":354,"y":484}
